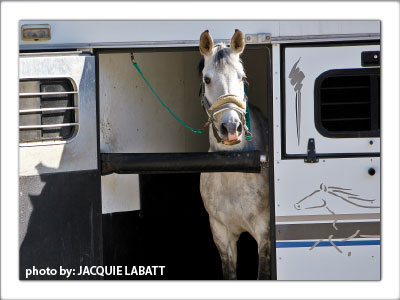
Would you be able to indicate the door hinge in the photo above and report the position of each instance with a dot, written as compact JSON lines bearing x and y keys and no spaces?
{"x":311,"y":155}
{"x":86,"y":50}
{"x":259,"y":38}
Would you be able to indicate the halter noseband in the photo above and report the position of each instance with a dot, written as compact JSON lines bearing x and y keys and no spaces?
{"x":223,"y":103}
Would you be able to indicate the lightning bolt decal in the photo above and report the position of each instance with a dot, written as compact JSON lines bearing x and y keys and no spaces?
{"x":296,"y":77}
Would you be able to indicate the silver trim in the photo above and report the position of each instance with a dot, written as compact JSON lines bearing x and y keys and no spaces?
{"x":27,"y":111}
{"x":46,"y":94}
{"x":324,"y":38}
{"x":195,"y":43}
{"x":80,"y":151}
{"x":76,"y":101}
{"x":48,"y":126}
{"x":65,"y":53}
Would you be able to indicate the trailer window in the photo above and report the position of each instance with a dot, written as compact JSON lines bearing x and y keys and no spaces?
{"x":347,"y":103}
{"x":48,"y":110}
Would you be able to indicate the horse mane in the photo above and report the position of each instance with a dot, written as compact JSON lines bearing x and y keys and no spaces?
{"x":345,"y":195}
{"x":222,"y":54}
{"x":200,"y":67}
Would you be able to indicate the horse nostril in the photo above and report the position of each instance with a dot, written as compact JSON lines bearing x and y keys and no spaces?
{"x":224,"y":129}
{"x":240,"y":128}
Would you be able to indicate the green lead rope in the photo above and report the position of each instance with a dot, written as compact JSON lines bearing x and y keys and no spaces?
{"x":248,"y":121}
{"x":248,"y":136}
{"x":162,"y":103}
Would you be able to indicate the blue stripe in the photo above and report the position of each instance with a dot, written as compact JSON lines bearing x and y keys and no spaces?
{"x":326,"y":243}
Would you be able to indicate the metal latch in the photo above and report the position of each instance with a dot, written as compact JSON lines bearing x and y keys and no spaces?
{"x":264,"y":159}
{"x":370,"y":58}
{"x":311,"y":155}
{"x":259,"y":38}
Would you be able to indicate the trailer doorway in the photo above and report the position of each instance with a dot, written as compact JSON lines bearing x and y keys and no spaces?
{"x":160,"y":219}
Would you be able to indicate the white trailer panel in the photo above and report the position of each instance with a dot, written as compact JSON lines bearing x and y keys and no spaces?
{"x":93,"y":34}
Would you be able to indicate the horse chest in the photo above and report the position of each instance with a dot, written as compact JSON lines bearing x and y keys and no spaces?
{"x":234,"y":197}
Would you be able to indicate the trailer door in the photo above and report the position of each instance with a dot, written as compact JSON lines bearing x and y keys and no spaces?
{"x":331,"y":94}
{"x":327,"y":170}
{"x":60,"y":207}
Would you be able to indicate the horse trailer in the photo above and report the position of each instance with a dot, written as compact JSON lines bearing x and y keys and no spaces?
{"x":109,"y":178}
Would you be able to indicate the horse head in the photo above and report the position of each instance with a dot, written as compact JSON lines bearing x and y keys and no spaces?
{"x":314,"y":200}
{"x":333,"y":194}
{"x":223,"y":79}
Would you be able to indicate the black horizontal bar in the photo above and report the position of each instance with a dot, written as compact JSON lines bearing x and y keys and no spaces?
{"x":347,"y":103}
{"x":333,"y":155}
{"x":345,"y":119}
{"x":191,"y":162}
{"x":345,"y":87}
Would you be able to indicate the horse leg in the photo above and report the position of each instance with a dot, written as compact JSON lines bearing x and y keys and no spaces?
{"x":264,"y":260}
{"x":264,"y":253}
{"x":225,"y":241}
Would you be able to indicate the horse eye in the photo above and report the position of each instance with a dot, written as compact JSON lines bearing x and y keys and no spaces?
{"x":207,"y":80}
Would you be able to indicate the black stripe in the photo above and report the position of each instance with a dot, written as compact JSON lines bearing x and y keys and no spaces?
{"x":324,"y":230}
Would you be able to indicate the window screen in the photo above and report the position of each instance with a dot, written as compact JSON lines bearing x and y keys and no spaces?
{"x":47,"y":110}
{"x":348,"y":103}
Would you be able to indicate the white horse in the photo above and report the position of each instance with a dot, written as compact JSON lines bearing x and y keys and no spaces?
{"x":235,"y":202}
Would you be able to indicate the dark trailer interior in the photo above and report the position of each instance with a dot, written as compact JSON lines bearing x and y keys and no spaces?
{"x":159,"y":219}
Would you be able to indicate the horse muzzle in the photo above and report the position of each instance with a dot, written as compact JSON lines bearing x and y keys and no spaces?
{"x":231,"y":132}
{"x":222,"y":104}
{"x":231,"y":143}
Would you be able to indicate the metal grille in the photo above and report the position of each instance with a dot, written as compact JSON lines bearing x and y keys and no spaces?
{"x":350,"y":102}
{"x":48,"y":110}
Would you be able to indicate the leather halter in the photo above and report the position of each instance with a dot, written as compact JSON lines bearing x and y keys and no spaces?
{"x":223,"y":103}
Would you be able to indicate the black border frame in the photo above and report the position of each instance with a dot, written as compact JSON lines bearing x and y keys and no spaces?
{"x":269,"y":83}
{"x":284,"y":155}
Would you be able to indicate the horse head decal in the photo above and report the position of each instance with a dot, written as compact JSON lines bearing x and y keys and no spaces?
{"x":325,"y":195}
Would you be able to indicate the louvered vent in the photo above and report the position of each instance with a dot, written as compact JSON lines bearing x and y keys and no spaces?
{"x":349,"y":102}
{"x":48,"y":110}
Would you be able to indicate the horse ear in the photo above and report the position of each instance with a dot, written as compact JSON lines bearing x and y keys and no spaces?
{"x":237,"y":42}
{"x":206,"y":43}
